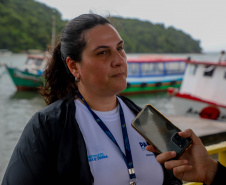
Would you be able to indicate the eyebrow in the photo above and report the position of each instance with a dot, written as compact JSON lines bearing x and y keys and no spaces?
{"x":99,"y":47}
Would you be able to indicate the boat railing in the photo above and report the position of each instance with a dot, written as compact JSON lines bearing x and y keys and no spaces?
{"x":220,"y":150}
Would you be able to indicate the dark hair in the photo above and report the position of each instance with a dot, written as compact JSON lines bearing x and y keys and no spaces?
{"x":59,"y":82}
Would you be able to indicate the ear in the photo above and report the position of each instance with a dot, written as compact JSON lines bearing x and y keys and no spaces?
{"x":73,"y":67}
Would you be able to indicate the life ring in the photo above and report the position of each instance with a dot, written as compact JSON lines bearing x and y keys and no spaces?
{"x":171,"y":91}
{"x":210,"y":113}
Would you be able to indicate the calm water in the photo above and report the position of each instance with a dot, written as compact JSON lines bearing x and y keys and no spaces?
{"x":16,"y":108}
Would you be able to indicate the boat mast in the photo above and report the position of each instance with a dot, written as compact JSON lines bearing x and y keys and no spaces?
{"x":53,"y":40}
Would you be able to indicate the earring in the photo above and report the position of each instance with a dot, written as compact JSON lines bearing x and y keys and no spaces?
{"x":77,"y":79}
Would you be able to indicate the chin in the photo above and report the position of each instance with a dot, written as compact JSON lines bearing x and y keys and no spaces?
{"x":118,"y":85}
{"x":120,"y":88}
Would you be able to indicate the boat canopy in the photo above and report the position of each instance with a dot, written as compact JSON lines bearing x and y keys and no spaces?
{"x":146,"y":67}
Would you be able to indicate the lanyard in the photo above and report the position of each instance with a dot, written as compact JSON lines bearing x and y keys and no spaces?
{"x":128,"y":157}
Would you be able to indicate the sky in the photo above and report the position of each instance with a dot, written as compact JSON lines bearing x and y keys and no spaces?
{"x":203,"y":20}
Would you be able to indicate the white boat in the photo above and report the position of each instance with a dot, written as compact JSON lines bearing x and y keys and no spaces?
{"x":202,"y":92}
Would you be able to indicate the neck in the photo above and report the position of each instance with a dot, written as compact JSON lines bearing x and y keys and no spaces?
{"x":100,"y":103}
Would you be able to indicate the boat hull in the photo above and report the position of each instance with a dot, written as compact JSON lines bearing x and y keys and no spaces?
{"x":157,"y":86}
{"x":195,"y":107}
{"x":24,"y":80}
{"x":202,"y":92}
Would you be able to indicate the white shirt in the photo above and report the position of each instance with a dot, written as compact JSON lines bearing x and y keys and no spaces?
{"x":105,"y":159}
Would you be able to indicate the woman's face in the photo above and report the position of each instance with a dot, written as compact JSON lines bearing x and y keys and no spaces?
{"x":103,"y":69}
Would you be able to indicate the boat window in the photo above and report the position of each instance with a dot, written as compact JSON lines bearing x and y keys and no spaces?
{"x":209,"y":70}
{"x":30,"y":61}
{"x":39,"y":62}
{"x":133,"y":69}
{"x":175,"y":67}
{"x":152,"y":69}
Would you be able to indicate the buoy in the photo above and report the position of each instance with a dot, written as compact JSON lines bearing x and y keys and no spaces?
{"x":210,"y":113}
{"x":171,"y":91}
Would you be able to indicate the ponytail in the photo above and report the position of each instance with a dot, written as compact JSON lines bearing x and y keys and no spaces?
{"x":59,"y":82}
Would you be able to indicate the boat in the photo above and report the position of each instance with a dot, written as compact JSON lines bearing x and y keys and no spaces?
{"x":153,"y":73}
{"x":30,"y":76}
{"x":145,"y":73}
{"x":202,"y":92}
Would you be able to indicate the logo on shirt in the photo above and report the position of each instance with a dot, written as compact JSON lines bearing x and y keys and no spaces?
{"x":143,"y":145}
{"x":97,"y":157}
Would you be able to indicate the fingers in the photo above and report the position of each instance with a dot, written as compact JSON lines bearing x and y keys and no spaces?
{"x":175,"y":163}
{"x":151,"y":148}
{"x":163,"y":157}
{"x":189,"y":133}
{"x":181,"y":170}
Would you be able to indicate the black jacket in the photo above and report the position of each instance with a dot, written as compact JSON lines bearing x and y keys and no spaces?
{"x":220,"y":176}
{"x":51,"y":150}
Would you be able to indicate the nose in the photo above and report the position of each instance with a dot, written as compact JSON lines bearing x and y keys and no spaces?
{"x":119,"y":58}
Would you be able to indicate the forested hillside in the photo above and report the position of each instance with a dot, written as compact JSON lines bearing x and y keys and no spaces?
{"x":27,"y":24}
{"x":141,"y":36}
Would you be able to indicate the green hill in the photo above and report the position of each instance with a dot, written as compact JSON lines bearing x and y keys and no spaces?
{"x":143,"y":36}
{"x":27,"y":24}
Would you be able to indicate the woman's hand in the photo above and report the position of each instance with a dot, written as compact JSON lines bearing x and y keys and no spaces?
{"x":195,"y":164}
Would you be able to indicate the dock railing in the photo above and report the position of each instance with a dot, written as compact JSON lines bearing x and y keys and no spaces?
{"x":219,"y":149}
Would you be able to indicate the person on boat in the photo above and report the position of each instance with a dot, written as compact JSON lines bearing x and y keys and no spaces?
{"x":195,"y":164}
{"x":84,"y":135}
{"x":222,"y":57}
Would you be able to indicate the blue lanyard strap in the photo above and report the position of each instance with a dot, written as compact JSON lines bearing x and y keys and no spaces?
{"x":128,"y":157}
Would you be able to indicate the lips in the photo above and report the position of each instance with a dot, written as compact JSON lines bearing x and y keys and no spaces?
{"x":119,"y":74}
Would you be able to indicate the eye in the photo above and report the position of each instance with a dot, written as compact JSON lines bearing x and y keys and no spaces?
{"x":102,"y":52}
{"x":120,"y":48}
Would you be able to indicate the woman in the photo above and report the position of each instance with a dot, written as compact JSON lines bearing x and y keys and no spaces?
{"x":84,"y":135}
